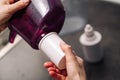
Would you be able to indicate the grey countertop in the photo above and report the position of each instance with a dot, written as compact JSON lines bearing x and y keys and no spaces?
{"x":105,"y":18}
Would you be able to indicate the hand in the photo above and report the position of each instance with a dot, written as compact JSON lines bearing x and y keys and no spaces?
{"x":74,"y":66}
{"x":8,"y":8}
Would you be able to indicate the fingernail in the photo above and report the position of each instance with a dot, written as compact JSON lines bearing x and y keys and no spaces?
{"x":25,"y":1}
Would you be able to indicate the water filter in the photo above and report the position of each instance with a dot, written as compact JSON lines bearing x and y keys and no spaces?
{"x":39,"y":24}
{"x":90,"y":41}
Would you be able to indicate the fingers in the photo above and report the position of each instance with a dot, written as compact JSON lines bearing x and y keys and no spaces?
{"x":70,"y":56}
{"x":53,"y":70}
{"x":48,"y":64}
{"x":56,"y":76}
{"x":6,"y":1}
{"x":80,"y":60}
{"x":51,"y":67}
{"x":52,"y":73}
{"x":18,"y":5}
{"x":72,"y":64}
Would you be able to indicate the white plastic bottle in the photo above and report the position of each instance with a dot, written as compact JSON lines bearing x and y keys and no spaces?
{"x":90,"y":41}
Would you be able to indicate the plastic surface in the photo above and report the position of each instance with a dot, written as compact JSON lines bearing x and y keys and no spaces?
{"x":38,"y":19}
{"x":50,"y":45}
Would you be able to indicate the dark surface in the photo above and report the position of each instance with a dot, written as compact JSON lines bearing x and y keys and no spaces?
{"x":105,"y":18}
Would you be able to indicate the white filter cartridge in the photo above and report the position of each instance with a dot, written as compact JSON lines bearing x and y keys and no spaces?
{"x":50,"y":45}
{"x":90,"y":41}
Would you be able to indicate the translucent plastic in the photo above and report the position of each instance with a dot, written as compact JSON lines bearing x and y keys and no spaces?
{"x":38,"y":19}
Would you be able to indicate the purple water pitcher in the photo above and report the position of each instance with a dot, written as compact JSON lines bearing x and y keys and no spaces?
{"x":39,"y":18}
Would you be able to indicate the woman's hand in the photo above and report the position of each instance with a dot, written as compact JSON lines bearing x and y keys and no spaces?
{"x":74,"y":66}
{"x":8,"y":8}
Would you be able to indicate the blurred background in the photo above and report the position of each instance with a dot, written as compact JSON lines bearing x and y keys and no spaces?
{"x":19,"y":61}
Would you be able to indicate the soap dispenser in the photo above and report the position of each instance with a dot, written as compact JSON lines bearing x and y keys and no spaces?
{"x":39,"y":24}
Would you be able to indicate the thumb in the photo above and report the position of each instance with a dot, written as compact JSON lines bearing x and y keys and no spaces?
{"x":18,"y":5}
{"x":67,"y":49}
